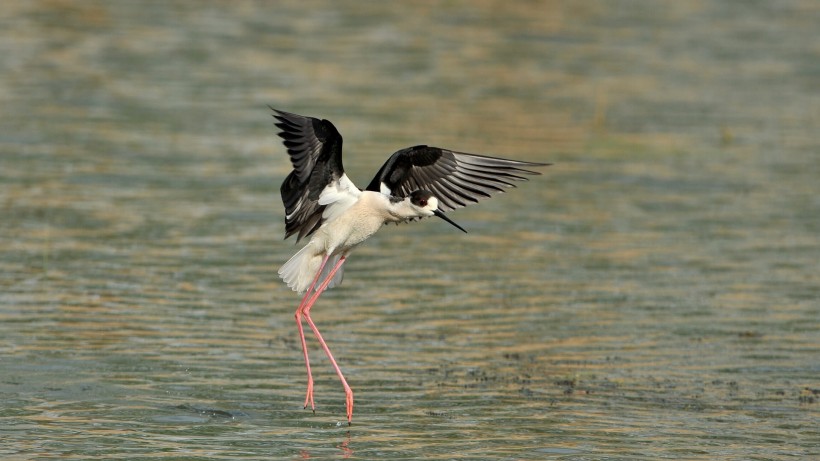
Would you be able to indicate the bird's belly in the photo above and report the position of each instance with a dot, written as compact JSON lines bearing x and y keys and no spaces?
{"x":346,"y":232}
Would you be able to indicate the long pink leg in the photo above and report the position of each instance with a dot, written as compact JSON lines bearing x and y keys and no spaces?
{"x":298,"y":315}
{"x":306,"y":312}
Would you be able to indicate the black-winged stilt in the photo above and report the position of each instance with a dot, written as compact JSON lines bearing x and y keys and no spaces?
{"x":322,"y":203}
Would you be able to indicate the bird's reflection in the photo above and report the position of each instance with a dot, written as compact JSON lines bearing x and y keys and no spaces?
{"x":347,"y":452}
{"x":344,"y":446}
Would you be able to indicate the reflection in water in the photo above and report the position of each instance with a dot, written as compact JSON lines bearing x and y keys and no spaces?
{"x":653,"y":296}
{"x":343,"y":447}
{"x":346,"y":451}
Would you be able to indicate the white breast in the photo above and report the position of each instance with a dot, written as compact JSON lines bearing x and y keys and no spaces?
{"x":353,"y":225}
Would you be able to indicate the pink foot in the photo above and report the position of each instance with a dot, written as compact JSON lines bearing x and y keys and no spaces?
{"x":349,"y":404}
{"x":309,"y":396}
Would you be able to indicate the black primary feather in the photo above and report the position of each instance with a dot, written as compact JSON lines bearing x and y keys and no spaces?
{"x":457,"y":179}
{"x":315,"y":150}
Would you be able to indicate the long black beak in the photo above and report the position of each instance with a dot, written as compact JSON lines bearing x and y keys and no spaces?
{"x":442,"y":216}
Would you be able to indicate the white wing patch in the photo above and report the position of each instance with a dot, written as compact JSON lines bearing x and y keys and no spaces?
{"x":296,"y":208}
{"x":338,"y":196}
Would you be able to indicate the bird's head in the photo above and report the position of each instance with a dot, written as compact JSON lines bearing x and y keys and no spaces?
{"x":425,"y":204}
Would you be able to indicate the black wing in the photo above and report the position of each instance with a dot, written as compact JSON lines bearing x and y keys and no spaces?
{"x":315,"y":150}
{"x":457,"y":179}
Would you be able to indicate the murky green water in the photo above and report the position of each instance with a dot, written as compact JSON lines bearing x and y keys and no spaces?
{"x":654,"y":295}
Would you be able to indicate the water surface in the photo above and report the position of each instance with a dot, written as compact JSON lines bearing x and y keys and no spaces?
{"x":653,"y":295}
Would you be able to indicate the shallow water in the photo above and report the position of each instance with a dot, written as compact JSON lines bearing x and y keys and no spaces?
{"x":653,"y":295}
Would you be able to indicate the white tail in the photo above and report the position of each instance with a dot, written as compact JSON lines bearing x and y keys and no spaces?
{"x":300,"y":270}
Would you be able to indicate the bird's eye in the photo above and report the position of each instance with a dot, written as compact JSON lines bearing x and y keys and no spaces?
{"x":422,"y":203}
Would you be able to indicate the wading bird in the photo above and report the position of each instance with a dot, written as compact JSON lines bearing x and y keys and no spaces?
{"x":322,"y":203}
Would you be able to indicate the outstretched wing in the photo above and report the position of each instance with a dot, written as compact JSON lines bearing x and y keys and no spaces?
{"x":315,"y":150}
{"x":457,"y":179}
